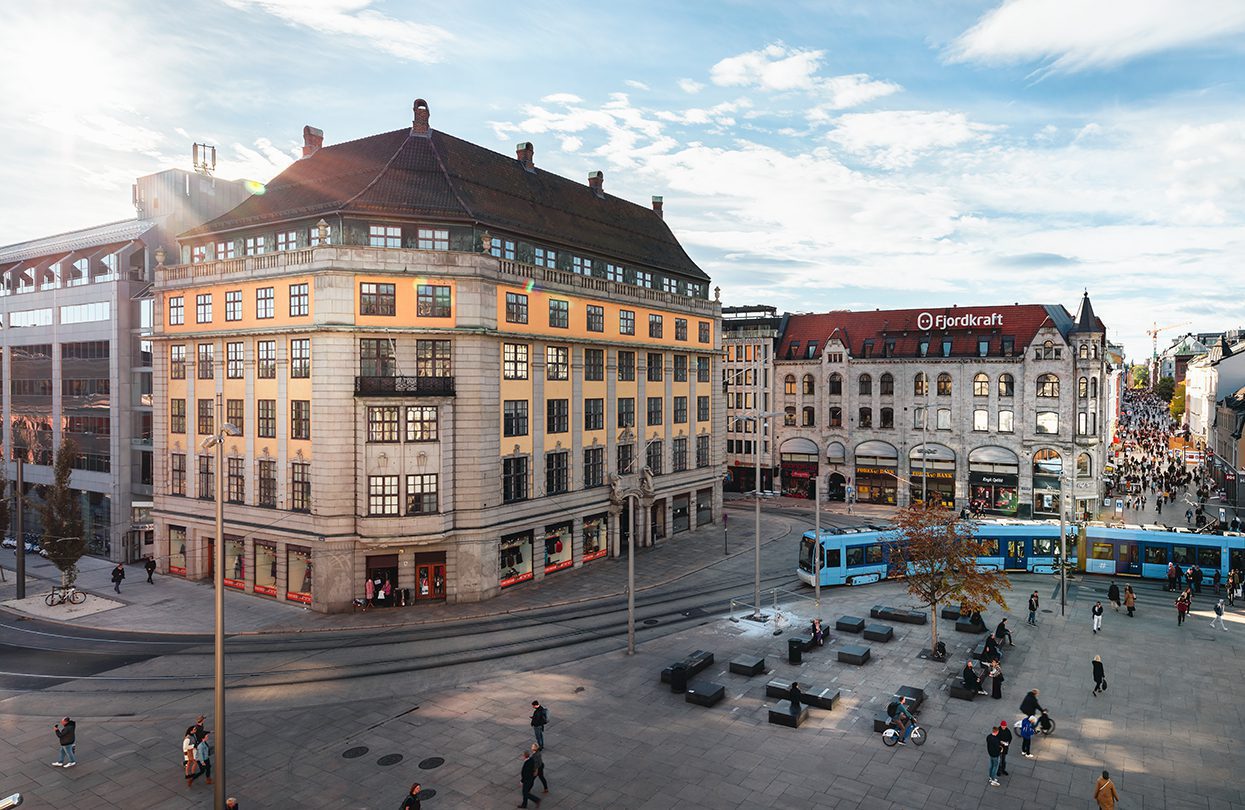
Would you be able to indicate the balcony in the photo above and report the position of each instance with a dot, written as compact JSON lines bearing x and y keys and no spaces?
{"x":404,"y":386}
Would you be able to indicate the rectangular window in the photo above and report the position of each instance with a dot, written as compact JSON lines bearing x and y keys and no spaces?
{"x":235,"y":413}
{"x":513,"y":479}
{"x":433,"y":238}
{"x":177,"y":311}
{"x":204,"y":364}
{"x":300,"y":487}
{"x":266,"y":418}
{"x":626,"y":365}
{"x":384,"y":236}
{"x":678,"y":454}
{"x":287,"y":240}
{"x":422,"y":423}
{"x":502,"y":248}
{"x":433,"y":358}
{"x":382,"y":423}
{"x":559,"y":313}
{"x":557,"y":363}
{"x":177,"y":416}
{"x":615,"y":272}
{"x":703,"y":336}
{"x":626,"y":459}
{"x":177,"y":474}
{"x":203,"y":308}
{"x":944,"y":418}
{"x":680,"y":368}
{"x":556,"y":473}
{"x":626,"y":412}
{"x":382,"y":495}
{"x":207,"y":478}
{"x":266,"y":359}
{"x":225,"y":250}
{"x":680,"y":328}
{"x":514,"y":417}
{"x":432,"y":301}
{"x":255,"y":245}
{"x":654,"y":325}
{"x":235,"y":481}
{"x":421,"y":494}
{"x":1006,"y":423}
{"x":702,"y":369}
{"x":265,"y":303}
{"x":377,"y":299}
{"x":643,"y":278}
{"x":234,"y":361}
{"x":198,"y":254}
{"x":300,"y":358}
{"x":514,"y":361}
{"x":670,"y":285}
{"x":233,"y":305}
{"x":1048,"y":422}
{"x":516,"y":308}
{"x":300,"y":419}
{"x":626,"y":322}
{"x":654,"y":411}
{"x":545,"y":257}
{"x":596,"y":318}
{"x":581,"y":266}
{"x":376,"y":357}
{"x":702,"y":409}
{"x":557,"y":416}
{"x":594,"y":365}
{"x":981,"y":419}
{"x":702,"y":451}
{"x":594,"y":414}
{"x":653,"y":365}
{"x":653,"y":457}
{"x":314,"y":239}
{"x":177,"y":362}
{"x":267,"y":481}
{"x":300,"y":303}
{"x":680,"y":410}
{"x":594,"y":467}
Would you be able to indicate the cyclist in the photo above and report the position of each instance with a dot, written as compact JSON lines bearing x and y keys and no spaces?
{"x":902,"y":718}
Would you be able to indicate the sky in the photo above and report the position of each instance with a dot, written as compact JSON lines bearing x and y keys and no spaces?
{"x":812,"y":155}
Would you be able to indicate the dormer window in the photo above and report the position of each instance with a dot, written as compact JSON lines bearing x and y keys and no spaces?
{"x":946,"y":347}
{"x":793,"y":351}
{"x":888,"y":348}
{"x":922,"y":348}
{"x":867,"y":349}
{"x":1007,"y":346}
{"x":811,"y":352}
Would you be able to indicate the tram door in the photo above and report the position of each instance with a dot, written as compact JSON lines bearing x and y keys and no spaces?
{"x":1236,"y":559}
{"x":1127,"y":560}
{"x":1014,"y":555}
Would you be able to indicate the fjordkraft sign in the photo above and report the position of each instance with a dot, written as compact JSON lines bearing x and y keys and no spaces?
{"x":942,"y":320}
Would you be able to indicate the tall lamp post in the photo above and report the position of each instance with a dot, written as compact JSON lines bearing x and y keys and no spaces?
{"x":759,"y":417}
{"x":217,"y":441}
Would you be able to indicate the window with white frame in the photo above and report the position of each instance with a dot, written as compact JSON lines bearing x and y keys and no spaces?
{"x":581,"y":265}
{"x":421,"y":494}
{"x":981,"y":419}
{"x":433,"y":238}
{"x":644,"y":278}
{"x":614,"y":272}
{"x":287,"y":240}
{"x":382,"y":495}
{"x":421,"y":423}
{"x":234,"y":364}
{"x":203,"y":308}
{"x":944,"y":418}
{"x":385,"y":236}
{"x":670,"y":285}
{"x":225,"y":250}
{"x":255,"y":245}
{"x":198,"y":254}
{"x":1047,"y":422}
{"x":557,"y":363}
{"x":514,"y":361}
{"x":265,"y":303}
{"x":502,"y":248}
{"x":313,"y":237}
{"x":1007,"y":423}
{"x":544,"y":257}
{"x":233,"y":305}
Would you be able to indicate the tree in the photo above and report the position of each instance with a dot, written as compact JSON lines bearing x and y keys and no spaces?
{"x":937,"y":554}
{"x":62,"y":517}
{"x":1177,"y":404}
{"x":1165,"y":388}
{"x":1141,"y":376}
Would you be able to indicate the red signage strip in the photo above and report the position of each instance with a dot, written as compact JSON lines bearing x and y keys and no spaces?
{"x":305,"y":598}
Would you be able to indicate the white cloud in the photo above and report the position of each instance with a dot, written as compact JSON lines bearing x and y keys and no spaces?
{"x":415,"y":42}
{"x":571,"y":144}
{"x":898,"y":138}
{"x":853,"y":90}
{"x":561,"y":98}
{"x":636,"y":84}
{"x":1073,"y":35}
{"x":779,"y":68}
{"x":262,"y":161}
{"x":690,"y":86}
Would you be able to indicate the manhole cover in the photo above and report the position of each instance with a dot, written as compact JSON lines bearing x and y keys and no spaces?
{"x":650,"y":621}
{"x":431,"y":762}
{"x":389,"y":759}
{"x":355,"y":753}
{"x":1047,"y":610}
{"x":427,"y":793}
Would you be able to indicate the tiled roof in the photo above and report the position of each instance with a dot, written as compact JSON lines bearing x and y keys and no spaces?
{"x":442,"y":178}
{"x":1021,"y":322}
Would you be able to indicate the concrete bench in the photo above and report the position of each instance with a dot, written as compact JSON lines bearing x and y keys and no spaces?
{"x":856,"y":654}
{"x":850,"y":624}
{"x":913,"y":697}
{"x":809,"y":695}
{"x":893,"y":614}
{"x":747,"y":666}
{"x":960,"y":691}
{"x":912,"y":617}
{"x":879,"y":632}
{"x":952,"y":613}
{"x":966,"y":626}
{"x":696,"y":663}
{"x":881,"y":722}
{"x":780,"y":717}
{"x":704,"y":693}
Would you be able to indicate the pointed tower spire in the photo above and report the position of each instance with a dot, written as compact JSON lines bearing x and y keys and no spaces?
{"x":1085,"y":319}
{"x":1225,"y":348}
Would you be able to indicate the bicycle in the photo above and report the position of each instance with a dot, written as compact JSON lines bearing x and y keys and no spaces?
{"x":1045,"y":723}
{"x":891,"y":736}
{"x":60,"y":596}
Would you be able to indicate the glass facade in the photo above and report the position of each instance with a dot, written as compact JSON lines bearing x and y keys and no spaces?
{"x":298,"y":574}
{"x":265,"y":569}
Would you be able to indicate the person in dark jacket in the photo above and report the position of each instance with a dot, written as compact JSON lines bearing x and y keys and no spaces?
{"x":1002,"y":634}
{"x":793,"y":695}
{"x":1100,"y":676}
{"x":527,"y":776}
{"x":539,"y":718}
{"x":971,"y":681}
{"x":1005,"y":738}
{"x":66,"y":735}
{"x":1030,"y":705}
{"x":411,"y":802}
{"x":1113,"y":596}
{"x":994,"y":750}
{"x":1096,"y":612}
{"x":150,"y":565}
{"x":118,"y":574}
{"x":1033,"y":608}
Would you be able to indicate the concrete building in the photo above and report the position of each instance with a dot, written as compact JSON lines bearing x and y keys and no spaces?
{"x":453,"y":372}
{"x":1175,"y":358}
{"x":76,"y":313}
{"x":749,"y":335}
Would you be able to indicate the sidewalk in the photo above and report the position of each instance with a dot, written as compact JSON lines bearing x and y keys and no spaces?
{"x":173,"y":605}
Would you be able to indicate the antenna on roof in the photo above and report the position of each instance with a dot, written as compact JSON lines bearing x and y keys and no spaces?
{"x":204,"y":159}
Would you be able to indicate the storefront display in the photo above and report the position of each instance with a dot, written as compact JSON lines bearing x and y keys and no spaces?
{"x":298,"y":574}
{"x":931,"y":469}
{"x":177,"y":550}
{"x":704,"y":507}
{"x":382,"y":572}
{"x":430,"y":576}
{"x":836,"y":481}
{"x":877,"y":464}
{"x":798,"y":468}
{"x":994,"y":480}
{"x":515,"y":559}
{"x":1047,"y":489}
{"x":595,"y":528}
{"x":558,"y":551}
{"x":265,"y":569}
{"x":235,"y":562}
{"x":681,"y":520}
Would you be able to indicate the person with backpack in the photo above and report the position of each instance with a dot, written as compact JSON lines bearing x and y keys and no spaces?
{"x":1028,"y":728}
{"x":1218,"y":616}
{"x":66,"y":733}
{"x":411,"y":802}
{"x":898,"y":712}
{"x":1182,"y":607}
{"x":1100,"y":676}
{"x":1113,"y":596}
{"x":540,"y":716}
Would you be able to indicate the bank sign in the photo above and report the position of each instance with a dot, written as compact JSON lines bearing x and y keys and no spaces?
{"x":928,"y":320}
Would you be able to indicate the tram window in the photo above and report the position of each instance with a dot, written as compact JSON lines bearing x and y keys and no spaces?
{"x":1156,"y":555}
{"x":833,"y":558}
{"x":989,"y":546}
{"x":1102,"y":551}
{"x":1181,"y":556}
{"x":874,"y":553}
{"x":1208,"y":558}
{"x":855,"y":555}
{"x":806,"y":554}
{"x":1043,"y":547}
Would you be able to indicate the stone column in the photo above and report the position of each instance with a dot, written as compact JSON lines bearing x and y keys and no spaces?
{"x":614,"y":545}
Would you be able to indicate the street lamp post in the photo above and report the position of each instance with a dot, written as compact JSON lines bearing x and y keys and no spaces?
{"x":759,"y":418}
{"x":217,"y":441}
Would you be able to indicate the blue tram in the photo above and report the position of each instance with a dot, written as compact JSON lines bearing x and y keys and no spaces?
{"x":859,"y":556}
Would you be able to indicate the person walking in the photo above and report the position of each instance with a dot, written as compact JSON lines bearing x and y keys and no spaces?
{"x":150,"y":565}
{"x":232,"y":804}
{"x":527,"y":778}
{"x":539,"y":759}
{"x":1218,"y":616}
{"x":411,"y":802}
{"x":793,"y":696}
{"x":199,"y":731}
{"x":1100,"y":676}
{"x":1097,"y":613}
{"x":190,"y":747}
{"x":1182,"y":607}
{"x":539,"y":718}
{"x":1028,"y":727}
{"x":1002,"y":634}
{"x":996,"y":677}
{"x":1130,"y":600}
{"x":1104,"y":792}
{"x":66,"y":736}
{"x":203,"y":755}
{"x":1033,"y":608}
{"x":118,"y":574}
{"x":1216,"y":579}
{"x":1113,"y":596}
{"x":1005,"y":739}
{"x":994,"y":750}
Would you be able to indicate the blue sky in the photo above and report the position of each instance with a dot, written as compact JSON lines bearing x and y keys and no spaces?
{"x":812,"y":155}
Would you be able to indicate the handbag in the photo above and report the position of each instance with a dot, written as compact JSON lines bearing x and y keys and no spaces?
{"x":1104,"y":684}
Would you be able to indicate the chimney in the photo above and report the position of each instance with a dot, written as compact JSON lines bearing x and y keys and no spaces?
{"x":419,"y":126}
{"x":596,"y":182}
{"x":657,"y":207}
{"x":313,"y":139}
{"x":524,"y":153}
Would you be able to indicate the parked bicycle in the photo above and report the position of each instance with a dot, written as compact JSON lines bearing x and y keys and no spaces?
{"x":60,"y":596}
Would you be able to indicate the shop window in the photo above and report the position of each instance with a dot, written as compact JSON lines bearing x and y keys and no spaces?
{"x":809,"y":417}
{"x":866,"y":385}
{"x":1007,"y":385}
{"x":177,"y":549}
{"x":981,"y":385}
{"x":835,"y":386}
{"x":920,"y":384}
{"x":866,"y":418}
{"x":515,"y":558}
{"x":235,"y":563}
{"x":788,"y":385}
{"x":887,"y":418}
{"x":887,"y":385}
{"x":836,"y":417}
{"x":944,"y":385}
{"x":1047,"y":462}
{"x":265,"y":569}
{"x":558,"y":548}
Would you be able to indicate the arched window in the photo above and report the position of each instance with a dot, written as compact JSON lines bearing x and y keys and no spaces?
{"x":1047,"y":385}
{"x":888,"y":418}
{"x":981,"y":384}
{"x":1082,"y":387}
{"x":920,"y":384}
{"x":809,"y":384}
{"x":836,"y":384}
{"x":887,"y":384}
{"x":866,"y":385}
{"x":810,"y":417}
{"x":836,"y":417}
{"x":1047,"y":462}
{"x":1094,"y":350}
{"x":788,"y":416}
{"x":1007,"y":385}
{"x":1083,"y":351}
{"x":788,"y":384}
{"x":866,"y":418}
{"x":944,"y":385}
{"x":1093,"y":387}
{"x":1048,"y":350}
{"x":1084,"y":466}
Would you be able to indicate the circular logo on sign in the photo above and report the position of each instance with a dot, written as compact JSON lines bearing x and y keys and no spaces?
{"x":924,"y":320}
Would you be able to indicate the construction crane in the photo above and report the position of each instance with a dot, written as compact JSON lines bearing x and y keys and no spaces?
{"x":1154,"y":340}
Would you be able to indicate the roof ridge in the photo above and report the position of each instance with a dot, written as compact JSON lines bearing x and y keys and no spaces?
{"x":446,"y":173}
{"x":379,"y":174}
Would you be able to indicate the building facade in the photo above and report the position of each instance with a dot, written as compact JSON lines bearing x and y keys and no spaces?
{"x":76,"y":316}
{"x":451,"y":373}
{"x":749,"y":335}
{"x":978,"y":406}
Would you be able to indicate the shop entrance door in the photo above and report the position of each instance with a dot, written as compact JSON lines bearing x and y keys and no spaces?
{"x":382,"y":568}
{"x":1014,"y":555}
{"x":838,"y":487}
{"x":210,"y":562}
{"x":1126,"y":559}
{"x":430,"y":581}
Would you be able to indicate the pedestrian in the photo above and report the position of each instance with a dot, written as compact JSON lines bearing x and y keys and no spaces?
{"x":818,"y":633}
{"x":1171,"y":576}
{"x":1216,"y":579}
{"x":994,"y":750}
{"x":199,"y":731}
{"x":990,"y":650}
{"x":527,"y":778}
{"x":151,"y":569}
{"x":411,"y":802}
{"x":1100,"y":676}
{"x":1028,"y":727}
{"x":1005,"y":738}
{"x":1030,"y":704}
{"x":1218,"y":616}
{"x":1113,"y":596}
{"x":1097,"y":612}
{"x":1130,"y":600}
{"x":203,"y":755}
{"x":66,"y":735}
{"x":1001,"y":634}
{"x":793,"y":695}
{"x":971,"y":681}
{"x":118,"y":574}
{"x":1182,"y":607}
{"x":1197,"y":578}
{"x":232,"y":804}
{"x":539,"y":718}
{"x":996,"y":676}
{"x":189,"y":744}
{"x":1104,"y":793}
{"x":1033,"y":608}
{"x":539,"y":759}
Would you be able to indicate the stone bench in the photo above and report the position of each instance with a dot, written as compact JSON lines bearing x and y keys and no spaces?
{"x":882,"y":721}
{"x":856,"y":654}
{"x":879,"y":632}
{"x":850,"y":624}
{"x":747,"y":666}
{"x":892,"y":614}
{"x":780,"y":717}
{"x":952,"y":613}
{"x":695,"y":663}
{"x":966,"y":626}
{"x":958,"y":690}
{"x":704,"y":693}
{"x":810,"y":696}
{"x":913,"y":697}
